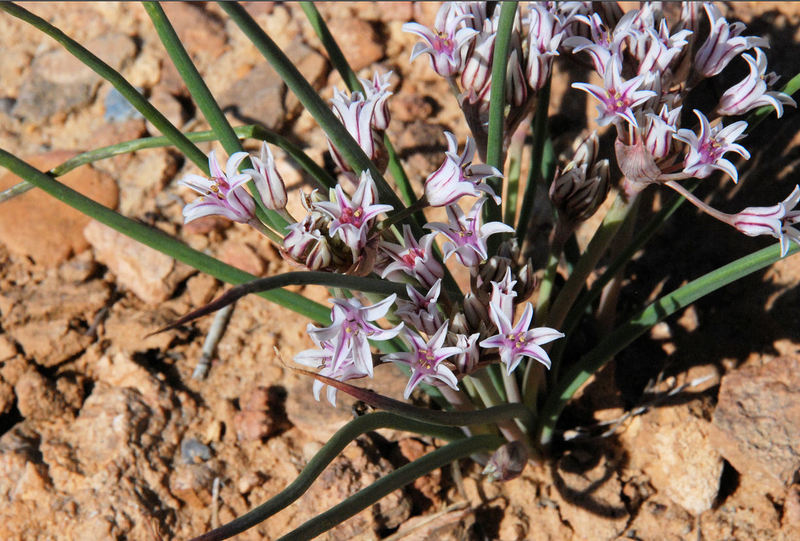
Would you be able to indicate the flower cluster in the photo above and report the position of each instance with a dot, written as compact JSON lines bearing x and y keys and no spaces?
{"x":461,"y":47}
{"x":446,"y":337}
{"x":648,"y":69}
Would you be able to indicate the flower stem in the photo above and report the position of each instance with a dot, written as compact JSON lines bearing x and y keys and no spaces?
{"x":642,"y":322}
{"x":158,"y":240}
{"x":326,"y":455}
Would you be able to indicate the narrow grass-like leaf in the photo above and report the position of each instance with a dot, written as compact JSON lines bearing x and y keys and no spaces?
{"x":206,"y":103}
{"x":252,"y":131}
{"x":587,"y":298}
{"x":326,"y":455}
{"x":535,"y":172}
{"x":391,"y":482}
{"x":640,"y":323}
{"x":117,"y":80}
{"x":318,"y":109}
{"x":159,"y":240}
{"x":492,"y":415}
{"x":15,"y":190}
{"x":330,"y":279}
{"x":497,"y":104}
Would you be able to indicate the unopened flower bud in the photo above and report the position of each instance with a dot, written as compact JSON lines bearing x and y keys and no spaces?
{"x":475,"y":311}
{"x":467,"y":360}
{"x":301,"y":237}
{"x":458,"y":324}
{"x":476,"y":76}
{"x":507,"y":462}
{"x":270,"y":185}
{"x":526,"y":283}
{"x":577,"y":195}
{"x":320,"y":256}
{"x":493,"y":270}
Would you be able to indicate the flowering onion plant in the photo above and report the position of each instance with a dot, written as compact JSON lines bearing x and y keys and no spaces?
{"x":491,"y":351}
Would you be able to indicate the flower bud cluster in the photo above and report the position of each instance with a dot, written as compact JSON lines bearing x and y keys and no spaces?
{"x":224,"y":194}
{"x":582,"y":185}
{"x":448,"y":337}
{"x":365,"y":116}
{"x":461,"y":48}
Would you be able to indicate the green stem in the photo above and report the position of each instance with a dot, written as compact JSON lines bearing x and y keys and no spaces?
{"x":315,"y":466}
{"x":512,"y":177}
{"x":537,"y":168}
{"x":580,"y":306}
{"x":560,"y":234}
{"x":640,"y":323}
{"x":207,"y":104}
{"x":158,"y":240}
{"x":588,"y":261}
{"x":391,"y":482}
{"x":117,"y":80}
{"x":497,"y":103}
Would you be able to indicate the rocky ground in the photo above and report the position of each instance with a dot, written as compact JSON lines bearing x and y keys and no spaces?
{"x":105,"y":435}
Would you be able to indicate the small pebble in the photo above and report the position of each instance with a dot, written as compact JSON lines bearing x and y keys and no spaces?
{"x":118,"y":109}
{"x":193,"y":451}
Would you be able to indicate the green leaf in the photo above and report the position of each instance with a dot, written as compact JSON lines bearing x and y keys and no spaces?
{"x":497,"y":104}
{"x":391,"y":482}
{"x":159,"y":240}
{"x":539,"y":159}
{"x":330,"y":279}
{"x":315,"y":466}
{"x":117,"y":80}
{"x":489,"y":415}
{"x":640,"y":323}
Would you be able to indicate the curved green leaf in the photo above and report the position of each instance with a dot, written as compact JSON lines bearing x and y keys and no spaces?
{"x":117,"y":80}
{"x":391,"y":482}
{"x":640,"y":323}
{"x":315,"y":466}
{"x":159,"y":240}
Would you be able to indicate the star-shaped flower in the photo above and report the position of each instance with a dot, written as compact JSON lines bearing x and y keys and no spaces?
{"x":723,"y":43}
{"x":516,"y":342}
{"x":426,"y":360}
{"x":467,"y":237}
{"x":351,"y":329}
{"x":618,"y":98}
{"x":778,"y":221}
{"x":323,"y":360}
{"x":446,"y":43}
{"x":752,"y":91}
{"x":223,"y":194}
{"x":414,"y":259}
{"x":457,"y":176}
{"x":351,"y":218}
{"x":706,"y":150}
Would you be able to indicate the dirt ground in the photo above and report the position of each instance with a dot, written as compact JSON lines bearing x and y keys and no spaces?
{"x":104,"y":434}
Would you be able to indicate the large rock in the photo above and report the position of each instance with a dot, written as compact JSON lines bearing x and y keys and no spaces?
{"x":756,"y":422}
{"x":38,"y":226}
{"x":674,"y":450}
{"x":149,"y":274}
{"x":60,"y":83}
{"x":257,"y":97}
